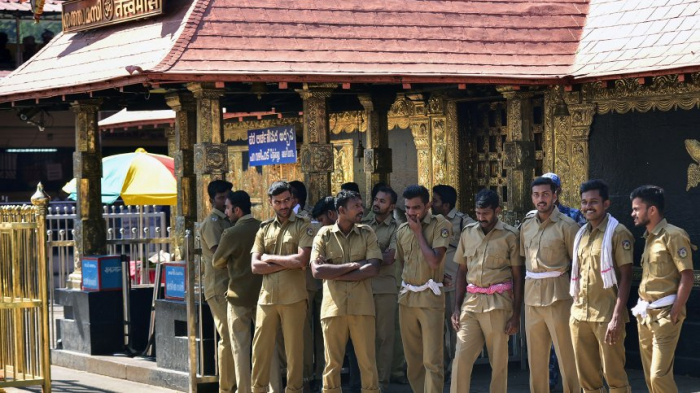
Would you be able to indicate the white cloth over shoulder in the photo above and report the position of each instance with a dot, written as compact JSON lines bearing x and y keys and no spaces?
{"x":606,"y":260}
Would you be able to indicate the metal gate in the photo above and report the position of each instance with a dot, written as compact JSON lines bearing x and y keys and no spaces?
{"x":24,"y":324}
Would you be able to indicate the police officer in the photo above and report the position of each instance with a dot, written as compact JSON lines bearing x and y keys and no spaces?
{"x":384,"y":285}
{"x":491,"y":275}
{"x":421,"y":244}
{"x":299,"y":196}
{"x":243,"y":286}
{"x":667,"y":278}
{"x":346,"y":256}
{"x":281,"y":253}
{"x":546,"y":242}
{"x":601,"y":277}
{"x":216,"y":281}
{"x":444,"y":202}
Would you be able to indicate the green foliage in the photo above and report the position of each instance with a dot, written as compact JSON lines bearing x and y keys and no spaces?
{"x":28,"y":27}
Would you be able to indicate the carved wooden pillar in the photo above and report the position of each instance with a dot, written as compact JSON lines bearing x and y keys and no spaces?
{"x":316,"y":153}
{"x":90,"y":228}
{"x":519,"y":149}
{"x":377,"y":154}
{"x":169,"y":133}
{"x":422,"y":138}
{"x":569,"y":142}
{"x":184,"y":138}
{"x":445,"y":141}
{"x":210,"y":153}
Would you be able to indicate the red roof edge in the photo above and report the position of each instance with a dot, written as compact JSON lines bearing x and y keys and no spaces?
{"x":369,"y":78}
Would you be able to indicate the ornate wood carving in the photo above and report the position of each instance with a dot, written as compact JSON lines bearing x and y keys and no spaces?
{"x":90,"y":229}
{"x":347,"y":122}
{"x":420,"y":128}
{"x":400,"y":112}
{"x":344,"y":164}
{"x":664,"y":93}
{"x":185,"y":130}
{"x":316,"y":153}
{"x":238,"y":130}
{"x":452,"y":145}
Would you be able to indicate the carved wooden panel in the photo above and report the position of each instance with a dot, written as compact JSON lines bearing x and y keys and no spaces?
{"x":344,"y":164}
{"x":489,"y":135}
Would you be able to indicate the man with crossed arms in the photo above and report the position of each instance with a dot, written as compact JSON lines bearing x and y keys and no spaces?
{"x":281,"y":253}
{"x":346,"y":256}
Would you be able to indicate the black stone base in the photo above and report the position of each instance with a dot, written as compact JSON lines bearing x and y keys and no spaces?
{"x":171,"y":336}
{"x":93,"y":321}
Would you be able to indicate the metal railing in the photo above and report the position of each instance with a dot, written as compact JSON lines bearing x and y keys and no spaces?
{"x":140,"y":233}
{"x":24,"y":324}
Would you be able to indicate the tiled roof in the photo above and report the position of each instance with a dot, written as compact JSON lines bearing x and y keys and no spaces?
{"x":455,"y":41}
{"x":98,"y":56}
{"x":623,"y":36}
{"x":50,"y":6}
{"x":385,"y":37}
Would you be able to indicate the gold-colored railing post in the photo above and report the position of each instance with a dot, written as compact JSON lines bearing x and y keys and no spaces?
{"x":41,"y":201}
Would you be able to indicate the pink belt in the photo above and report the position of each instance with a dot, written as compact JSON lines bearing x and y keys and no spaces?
{"x":495,"y":288}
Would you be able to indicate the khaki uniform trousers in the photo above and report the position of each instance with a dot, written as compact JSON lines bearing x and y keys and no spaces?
{"x":398,"y":362}
{"x":227,"y":370}
{"x":450,"y":333}
{"x":475,"y":330}
{"x":336,"y":331}
{"x":657,"y":347}
{"x":385,"y":308}
{"x":544,"y":325}
{"x":313,"y":338}
{"x":240,"y":326}
{"x":268,"y":319}
{"x":422,"y":335}
{"x":593,"y":355}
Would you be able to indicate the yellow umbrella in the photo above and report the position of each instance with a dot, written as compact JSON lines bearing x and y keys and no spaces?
{"x":140,"y":178}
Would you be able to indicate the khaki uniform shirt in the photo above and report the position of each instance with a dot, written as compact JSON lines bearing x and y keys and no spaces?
{"x":346,"y":297}
{"x":459,"y":220}
{"x":594,"y":303}
{"x":385,"y":281}
{"x":667,"y":252}
{"x":313,"y":284}
{"x":416,"y":271}
{"x":488,"y":259}
{"x":234,"y":253}
{"x":548,"y":246}
{"x":274,"y":238}
{"x":215,"y":281}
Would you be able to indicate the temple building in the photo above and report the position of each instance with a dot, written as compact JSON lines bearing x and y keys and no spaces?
{"x":474,"y":94}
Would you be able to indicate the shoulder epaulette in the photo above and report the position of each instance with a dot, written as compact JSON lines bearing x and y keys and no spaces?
{"x":510,"y":228}
{"x":266,"y":222}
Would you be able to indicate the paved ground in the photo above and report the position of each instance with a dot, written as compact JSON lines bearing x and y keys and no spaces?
{"x":67,"y":380}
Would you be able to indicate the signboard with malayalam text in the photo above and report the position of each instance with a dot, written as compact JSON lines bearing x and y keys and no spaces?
{"x":79,"y":15}
{"x":272,"y":146}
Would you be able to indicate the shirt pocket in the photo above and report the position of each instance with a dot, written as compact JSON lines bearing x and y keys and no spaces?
{"x":270,"y":244}
{"x":660,"y":264}
{"x":470,"y":253}
{"x":496,"y":259}
{"x":289,"y":244}
{"x":551,"y":252}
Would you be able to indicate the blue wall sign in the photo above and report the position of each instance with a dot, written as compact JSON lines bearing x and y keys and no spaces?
{"x":272,"y":146}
